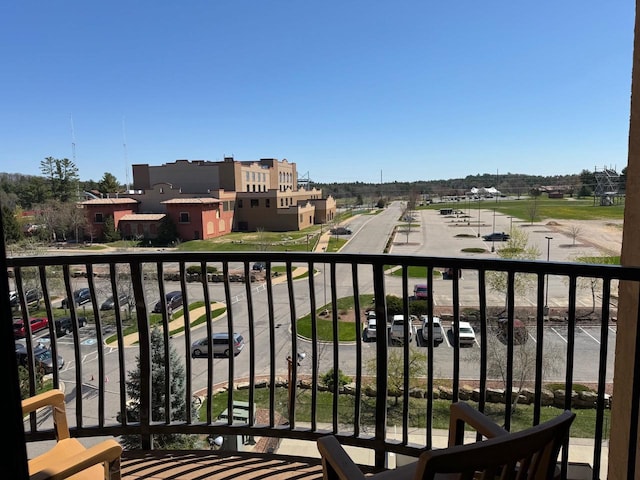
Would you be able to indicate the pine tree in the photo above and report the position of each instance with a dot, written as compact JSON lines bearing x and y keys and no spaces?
{"x":109,"y":232}
{"x":177,"y":387}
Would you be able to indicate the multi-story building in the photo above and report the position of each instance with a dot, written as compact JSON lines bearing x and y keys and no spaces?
{"x":208,"y":199}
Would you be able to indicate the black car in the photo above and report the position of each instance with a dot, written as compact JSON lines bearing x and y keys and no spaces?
{"x":80,"y":297}
{"x":42,"y":356}
{"x":109,"y":304}
{"x":258,"y":266}
{"x":33,"y":295}
{"x":64,"y":325}
{"x":496,"y":237}
{"x":174,"y":300}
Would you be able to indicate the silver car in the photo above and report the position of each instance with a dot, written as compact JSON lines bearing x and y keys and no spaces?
{"x":220,"y":344}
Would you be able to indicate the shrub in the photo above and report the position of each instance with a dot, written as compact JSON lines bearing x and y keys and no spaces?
{"x":327,"y":379}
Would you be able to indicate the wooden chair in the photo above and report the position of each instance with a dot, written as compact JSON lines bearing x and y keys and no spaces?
{"x":529,"y":454}
{"x":69,"y":457}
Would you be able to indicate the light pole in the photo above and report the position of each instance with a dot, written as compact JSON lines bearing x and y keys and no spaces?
{"x":510,"y":225}
{"x":324,"y":282}
{"x":291,"y":398}
{"x":478,"y":216}
{"x":493,"y":241}
{"x":546,"y":296}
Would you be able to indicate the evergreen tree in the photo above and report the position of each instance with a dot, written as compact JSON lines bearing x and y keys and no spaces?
{"x":62,"y":175}
{"x":108,"y":184}
{"x":12,"y":230}
{"x":167,"y":231}
{"x":178,"y":403}
{"x":109,"y":232}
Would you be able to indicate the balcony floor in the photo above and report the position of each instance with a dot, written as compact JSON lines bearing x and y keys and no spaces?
{"x":174,"y":464}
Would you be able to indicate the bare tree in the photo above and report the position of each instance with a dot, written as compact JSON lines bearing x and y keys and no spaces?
{"x":516,"y":248}
{"x":262,"y":240}
{"x":574,"y":232}
{"x":532,"y":208}
{"x":524,"y":362}
{"x":396,"y":371}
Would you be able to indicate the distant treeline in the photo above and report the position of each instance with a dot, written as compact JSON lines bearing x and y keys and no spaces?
{"x":580,"y":184}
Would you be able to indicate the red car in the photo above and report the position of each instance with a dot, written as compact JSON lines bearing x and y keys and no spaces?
{"x":37,"y":324}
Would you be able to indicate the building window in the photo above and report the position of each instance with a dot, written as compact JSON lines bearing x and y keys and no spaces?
{"x":184,"y":217}
{"x":247,"y":176}
{"x":239,"y":203}
{"x":99,"y":218}
{"x":248,"y":188}
{"x":282,"y":202}
{"x":255,"y":202}
{"x":267,"y":203}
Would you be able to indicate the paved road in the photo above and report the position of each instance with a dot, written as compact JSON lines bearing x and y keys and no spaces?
{"x":436,"y":235}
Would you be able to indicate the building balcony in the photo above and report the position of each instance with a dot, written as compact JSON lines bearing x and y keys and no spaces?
{"x":304,"y":330}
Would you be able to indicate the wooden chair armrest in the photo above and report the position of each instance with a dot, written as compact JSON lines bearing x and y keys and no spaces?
{"x":336,"y":464}
{"x":45,"y":399}
{"x":106,"y":451}
{"x":463,"y":414}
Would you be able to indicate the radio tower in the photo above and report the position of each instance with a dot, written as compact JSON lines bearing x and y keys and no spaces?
{"x":73,"y":158}
{"x":126,"y":160}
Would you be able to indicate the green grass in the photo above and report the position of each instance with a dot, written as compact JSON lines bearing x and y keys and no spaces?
{"x":606,"y":260}
{"x":346,"y":330}
{"x":413,"y":272}
{"x":156,"y":319}
{"x":564,"y":209}
{"x":522,"y":418}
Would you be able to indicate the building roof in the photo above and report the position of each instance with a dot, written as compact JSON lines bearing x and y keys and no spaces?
{"x":143,"y":216}
{"x":203,"y":200}
{"x":110,"y":201}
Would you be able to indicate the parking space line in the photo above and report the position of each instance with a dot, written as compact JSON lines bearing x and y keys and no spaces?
{"x":558,"y":333}
{"x":587,"y":333}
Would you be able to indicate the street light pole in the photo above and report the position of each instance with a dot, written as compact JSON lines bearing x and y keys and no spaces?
{"x":478,"y":216}
{"x":493,"y":242}
{"x":290,"y":396}
{"x":546,"y":297}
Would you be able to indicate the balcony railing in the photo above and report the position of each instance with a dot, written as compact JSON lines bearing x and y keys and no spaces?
{"x":569,"y":311}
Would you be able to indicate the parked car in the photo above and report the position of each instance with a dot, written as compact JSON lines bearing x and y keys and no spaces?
{"x":80,"y":297}
{"x":340,"y":231}
{"x":258,"y":266}
{"x":32,"y":296}
{"x":109,"y":303}
{"x":370,"y":331}
{"x":438,"y":334}
{"x":520,"y":334}
{"x":173,"y":299}
{"x":220,"y":345}
{"x":421,"y":291}
{"x":448,"y":274}
{"x":64,"y":325}
{"x":496,"y":237}
{"x":467,"y":337}
{"x":397,"y":329}
{"x":37,"y":324}
{"x":43,"y":358}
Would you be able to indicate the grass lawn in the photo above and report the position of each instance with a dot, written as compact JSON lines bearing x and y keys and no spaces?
{"x":346,"y":329}
{"x":583,"y":426}
{"x":543,"y":208}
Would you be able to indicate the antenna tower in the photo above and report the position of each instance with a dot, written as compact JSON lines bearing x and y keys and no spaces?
{"x":73,"y":157}
{"x":126,"y":160}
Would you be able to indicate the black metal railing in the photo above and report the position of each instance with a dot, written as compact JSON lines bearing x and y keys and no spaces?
{"x":266,"y":309}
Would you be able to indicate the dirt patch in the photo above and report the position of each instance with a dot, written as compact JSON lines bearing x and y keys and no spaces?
{"x":604,"y":235}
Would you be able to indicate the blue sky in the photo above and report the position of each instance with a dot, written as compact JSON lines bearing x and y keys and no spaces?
{"x":349,"y":91}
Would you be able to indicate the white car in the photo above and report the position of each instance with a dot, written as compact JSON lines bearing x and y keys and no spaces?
{"x":438,"y":335}
{"x":370,"y":332}
{"x":397,"y":329}
{"x":467,"y":337}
